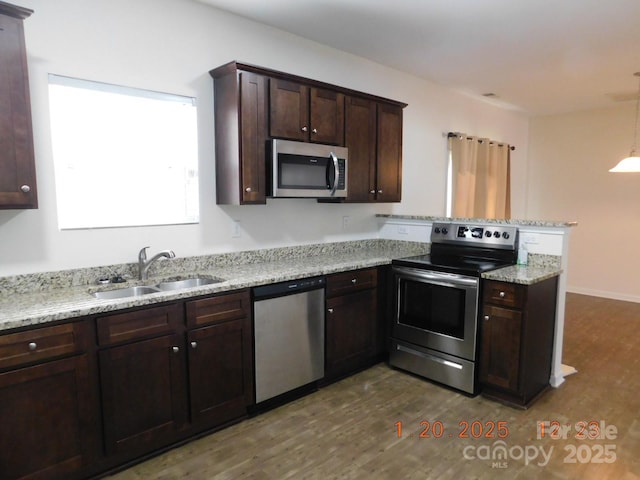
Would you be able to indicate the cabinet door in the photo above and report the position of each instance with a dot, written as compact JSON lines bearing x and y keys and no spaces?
{"x":288,"y":110}
{"x":17,"y":164}
{"x":220,"y":371}
{"x":253,"y":138}
{"x":143,"y":394}
{"x":389,"y":166}
{"x":360,"y":139}
{"x":49,"y":415}
{"x":500,"y":347}
{"x":351,"y":328}
{"x":327,"y":116}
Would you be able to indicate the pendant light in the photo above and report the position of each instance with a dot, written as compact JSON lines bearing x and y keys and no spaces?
{"x":632,"y":162}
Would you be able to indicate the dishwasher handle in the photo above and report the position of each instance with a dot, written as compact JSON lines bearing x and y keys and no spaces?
{"x":289,"y":287}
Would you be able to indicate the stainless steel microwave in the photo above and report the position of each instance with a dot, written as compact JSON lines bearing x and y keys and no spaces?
{"x":309,"y":170}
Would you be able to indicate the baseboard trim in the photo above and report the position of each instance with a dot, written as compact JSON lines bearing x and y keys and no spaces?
{"x":604,"y":294}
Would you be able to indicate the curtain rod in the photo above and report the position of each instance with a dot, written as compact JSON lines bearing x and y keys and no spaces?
{"x":454,"y":134}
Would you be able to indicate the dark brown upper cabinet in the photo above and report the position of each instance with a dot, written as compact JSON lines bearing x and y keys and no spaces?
{"x":17,"y":163}
{"x":307,"y":114}
{"x":360,"y":139}
{"x":241,"y":135}
{"x":388,"y":186}
{"x":373,"y":135}
{"x":254,"y":105}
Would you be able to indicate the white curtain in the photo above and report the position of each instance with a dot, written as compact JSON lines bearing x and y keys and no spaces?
{"x":480,"y":178}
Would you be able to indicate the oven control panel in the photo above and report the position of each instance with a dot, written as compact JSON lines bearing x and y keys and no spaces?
{"x":488,"y":235}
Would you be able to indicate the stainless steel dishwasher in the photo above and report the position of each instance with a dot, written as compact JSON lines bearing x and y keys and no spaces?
{"x":289,"y":336}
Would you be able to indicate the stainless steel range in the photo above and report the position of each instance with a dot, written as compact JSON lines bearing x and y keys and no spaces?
{"x":435,"y":327}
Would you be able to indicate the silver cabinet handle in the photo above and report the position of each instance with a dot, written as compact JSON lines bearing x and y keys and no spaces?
{"x":25,"y":188}
{"x":175,"y":349}
{"x":380,"y":191}
{"x":501,"y":294}
{"x":248,"y":189}
{"x":354,"y":281}
{"x":486,"y":318}
{"x":194,"y":344}
{"x":304,"y":129}
{"x":315,"y":130}
{"x":33,"y":346}
{"x":372,"y":192}
{"x":330,"y":310}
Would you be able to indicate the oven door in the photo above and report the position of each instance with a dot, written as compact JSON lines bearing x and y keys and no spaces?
{"x":436,"y":310}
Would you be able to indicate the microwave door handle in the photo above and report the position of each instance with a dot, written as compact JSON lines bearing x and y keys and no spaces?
{"x":336,"y":173}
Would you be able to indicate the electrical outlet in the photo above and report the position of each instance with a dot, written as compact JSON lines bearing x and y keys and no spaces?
{"x":403,"y":230}
{"x":346,"y":222}
{"x":235,"y":229}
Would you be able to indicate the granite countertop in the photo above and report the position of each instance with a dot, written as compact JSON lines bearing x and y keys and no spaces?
{"x":41,"y":298}
{"x":524,"y":223}
{"x":35,"y":303}
{"x":523,"y":274}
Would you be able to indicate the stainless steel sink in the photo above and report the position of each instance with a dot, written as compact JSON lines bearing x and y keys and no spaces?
{"x":187,"y":283}
{"x":126,"y":292}
{"x":167,"y":285}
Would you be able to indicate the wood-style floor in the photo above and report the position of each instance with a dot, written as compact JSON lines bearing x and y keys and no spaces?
{"x":349,"y":430}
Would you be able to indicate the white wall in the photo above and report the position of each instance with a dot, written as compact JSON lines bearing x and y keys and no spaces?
{"x":570,"y":156}
{"x":170,"y":45}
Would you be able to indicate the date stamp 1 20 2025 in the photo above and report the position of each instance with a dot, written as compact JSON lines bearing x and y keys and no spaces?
{"x":592,"y":441}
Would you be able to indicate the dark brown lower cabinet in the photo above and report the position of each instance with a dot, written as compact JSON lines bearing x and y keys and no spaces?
{"x":49,"y":408}
{"x":171,"y":371}
{"x":48,"y":418}
{"x":220,"y":374}
{"x":517,"y":332}
{"x":351,"y":322}
{"x":143,"y":394}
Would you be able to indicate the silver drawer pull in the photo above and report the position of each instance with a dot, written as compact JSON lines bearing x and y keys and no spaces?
{"x":175,"y":349}
{"x":25,"y":188}
{"x":194,"y":344}
{"x":330,"y":310}
{"x":248,"y":189}
{"x":354,"y":281}
{"x":33,"y":346}
{"x":502,"y":294}
{"x":486,"y":318}
{"x":411,"y":351}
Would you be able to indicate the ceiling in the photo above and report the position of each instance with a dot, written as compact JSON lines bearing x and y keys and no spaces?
{"x":536,"y":56}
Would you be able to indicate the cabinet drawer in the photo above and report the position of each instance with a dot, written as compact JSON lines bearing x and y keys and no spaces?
{"x":138,"y":324}
{"x":41,"y":344}
{"x":505,"y":294}
{"x":218,"y":309}
{"x":348,"y":282}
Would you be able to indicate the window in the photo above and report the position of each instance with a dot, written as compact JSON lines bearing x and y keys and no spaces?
{"x":478,"y":178}
{"x":122,"y":156}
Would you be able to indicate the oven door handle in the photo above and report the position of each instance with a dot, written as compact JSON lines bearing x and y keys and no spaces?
{"x":433,"y":358}
{"x":439,"y":278}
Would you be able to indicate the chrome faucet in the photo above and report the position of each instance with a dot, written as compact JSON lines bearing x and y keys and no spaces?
{"x":143,"y":264}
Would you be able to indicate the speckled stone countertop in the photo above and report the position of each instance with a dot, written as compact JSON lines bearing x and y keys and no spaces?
{"x":539,"y":267}
{"x":47,"y":297}
{"x":527,"y":223}
{"x":523,"y":274}
{"x":36,"y":299}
